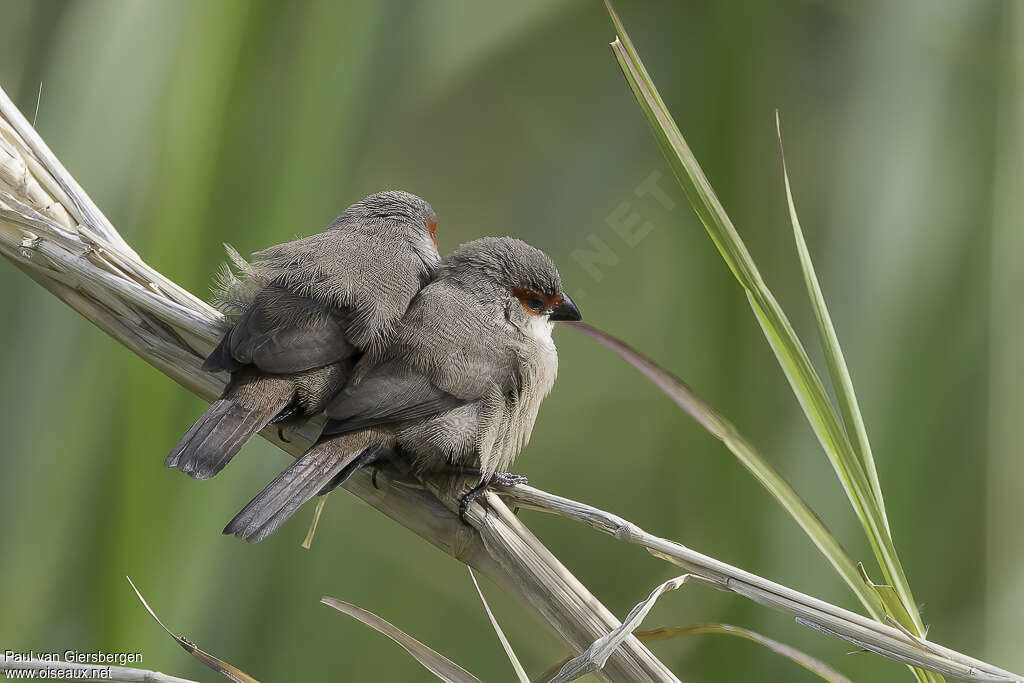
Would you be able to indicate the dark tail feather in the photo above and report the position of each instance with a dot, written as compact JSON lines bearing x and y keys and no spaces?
{"x":371,"y":456}
{"x":221,"y":358}
{"x":215,"y":438}
{"x":302,"y":480}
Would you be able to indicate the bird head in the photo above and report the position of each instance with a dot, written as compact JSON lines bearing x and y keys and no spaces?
{"x":395,"y":211}
{"x":522,"y":277}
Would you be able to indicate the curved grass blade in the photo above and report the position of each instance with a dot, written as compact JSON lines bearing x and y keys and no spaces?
{"x":594,"y":657}
{"x":837,"y":369}
{"x":433,"y":661}
{"x":520,"y":671}
{"x":790,"y":353}
{"x":812,"y":664}
{"x":750,"y":457}
{"x":230,"y":672}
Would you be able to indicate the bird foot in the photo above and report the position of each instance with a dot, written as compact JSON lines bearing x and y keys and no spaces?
{"x":497,"y":479}
{"x":508,"y":479}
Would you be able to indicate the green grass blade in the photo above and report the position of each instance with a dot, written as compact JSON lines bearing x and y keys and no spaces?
{"x":838,"y":371}
{"x":896,"y":610}
{"x":898,"y":613}
{"x":796,"y":364}
{"x":750,"y":458}
{"x":789,"y":351}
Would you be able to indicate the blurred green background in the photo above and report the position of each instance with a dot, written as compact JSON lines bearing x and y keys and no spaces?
{"x":193,"y":123}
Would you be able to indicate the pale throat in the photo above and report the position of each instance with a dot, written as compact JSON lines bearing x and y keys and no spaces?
{"x":425,"y":249}
{"x":538,"y":328}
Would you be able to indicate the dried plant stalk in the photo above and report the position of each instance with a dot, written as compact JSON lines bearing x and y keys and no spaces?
{"x":889,"y":641}
{"x":52,"y":231}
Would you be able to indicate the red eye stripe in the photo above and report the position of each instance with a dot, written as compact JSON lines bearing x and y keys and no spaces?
{"x":432,"y":229}
{"x":524,"y":294}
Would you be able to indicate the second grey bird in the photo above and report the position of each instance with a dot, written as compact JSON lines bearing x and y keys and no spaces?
{"x":309,"y":309}
{"x":460,"y":385}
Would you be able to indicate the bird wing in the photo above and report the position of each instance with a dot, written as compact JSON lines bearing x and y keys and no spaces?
{"x":447,"y":352}
{"x":387,"y":396}
{"x":372,"y":277}
{"x":282,"y":332}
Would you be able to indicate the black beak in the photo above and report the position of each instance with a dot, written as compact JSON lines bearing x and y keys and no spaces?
{"x":566,"y":310}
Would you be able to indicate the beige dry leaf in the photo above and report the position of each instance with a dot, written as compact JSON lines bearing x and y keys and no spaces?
{"x":229,"y":671}
{"x":435,"y":662}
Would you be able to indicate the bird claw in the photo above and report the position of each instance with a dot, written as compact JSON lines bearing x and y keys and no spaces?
{"x":497,"y":479}
{"x":468,"y":499}
{"x":288,"y":412}
{"x":507,"y":479}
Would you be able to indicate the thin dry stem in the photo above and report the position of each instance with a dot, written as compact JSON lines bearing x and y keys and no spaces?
{"x":894,"y":643}
{"x":52,"y":231}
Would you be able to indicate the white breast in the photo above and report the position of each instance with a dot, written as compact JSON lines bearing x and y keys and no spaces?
{"x":545,"y":356}
{"x":511,"y":432}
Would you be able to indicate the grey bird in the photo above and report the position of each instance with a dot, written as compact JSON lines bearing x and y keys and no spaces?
{"x":308,"y":310}
{"x":458,"y":388}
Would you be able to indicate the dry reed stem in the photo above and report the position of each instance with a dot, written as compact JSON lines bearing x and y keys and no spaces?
{"x":53,"y":232}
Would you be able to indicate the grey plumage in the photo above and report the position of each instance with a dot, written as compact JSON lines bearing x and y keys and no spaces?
{"x":306,"y":311}
{"x":461,"y":382}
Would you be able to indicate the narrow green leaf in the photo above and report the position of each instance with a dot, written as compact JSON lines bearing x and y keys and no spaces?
{"x":894,"y":607}
{"x":838,"y":371}
{"x":898,"y":613}
{"x":848,"y":405}
{"x":749,"y":457}
{"x":812,"y":664}
{"x":792,"y":357}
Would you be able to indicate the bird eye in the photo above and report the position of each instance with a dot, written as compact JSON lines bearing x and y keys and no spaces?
{"x":535,"y":303}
